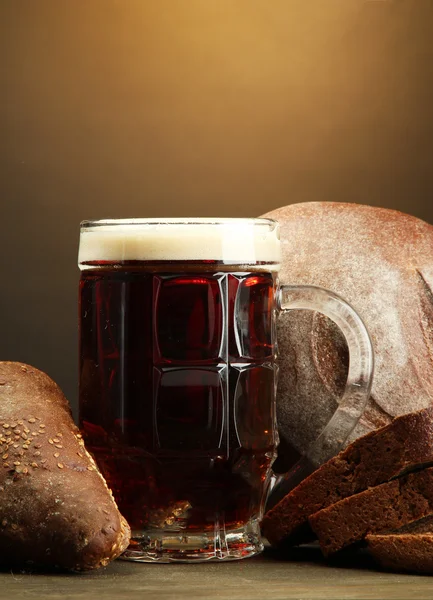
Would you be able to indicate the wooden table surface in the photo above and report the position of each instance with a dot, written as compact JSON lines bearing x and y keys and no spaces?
{"x":304,"y":576}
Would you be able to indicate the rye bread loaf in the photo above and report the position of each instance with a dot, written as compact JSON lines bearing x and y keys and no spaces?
{"x":407,"y":549}
{"x":55,"y":507}
{"x":380,"y":261}
{"x":379,"y":509}
{"x":370,"y":460}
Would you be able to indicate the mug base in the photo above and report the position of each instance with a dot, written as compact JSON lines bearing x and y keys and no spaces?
{"x":156,"y":546}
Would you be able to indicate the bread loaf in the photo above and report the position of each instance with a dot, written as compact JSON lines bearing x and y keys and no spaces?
{"x":379,"y":509}
{"x":373,"y":459}
{"x":55,"y":507}
{"x":380,"y":261}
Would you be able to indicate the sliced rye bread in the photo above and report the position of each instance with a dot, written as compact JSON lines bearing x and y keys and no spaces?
{"x":407,"y":549}
{"x":377,"y":510}
{"x":403,"y":445}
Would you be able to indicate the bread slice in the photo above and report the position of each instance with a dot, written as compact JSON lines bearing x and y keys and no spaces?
{"x":380,"y":509}
{"x":404,"y":445}
{"x":407,"y":549}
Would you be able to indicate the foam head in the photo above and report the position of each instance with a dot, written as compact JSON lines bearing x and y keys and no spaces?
{"x":237,"y":241}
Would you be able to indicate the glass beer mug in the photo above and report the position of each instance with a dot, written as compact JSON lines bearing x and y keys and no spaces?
{"x":178,"y":372}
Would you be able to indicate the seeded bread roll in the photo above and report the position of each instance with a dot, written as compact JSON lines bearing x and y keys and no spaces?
{"x":380,"y":261}
{"x":377,"y":510}
{"x":55,"y":507}
{"x":404,"y":445}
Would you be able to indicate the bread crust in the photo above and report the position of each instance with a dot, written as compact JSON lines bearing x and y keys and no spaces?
{"x":55,"y":506}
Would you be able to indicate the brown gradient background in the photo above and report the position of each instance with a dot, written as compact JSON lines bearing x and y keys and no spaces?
{"x":117,"y":108}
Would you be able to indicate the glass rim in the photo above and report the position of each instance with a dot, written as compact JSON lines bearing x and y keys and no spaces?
{"x":178,"y":221}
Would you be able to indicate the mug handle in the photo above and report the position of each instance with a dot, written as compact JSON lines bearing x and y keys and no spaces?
{"x":358,"y":385}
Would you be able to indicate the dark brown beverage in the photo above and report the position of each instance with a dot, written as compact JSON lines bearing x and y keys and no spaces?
{"x":177,"y":371}
{"x":178,"y":377}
